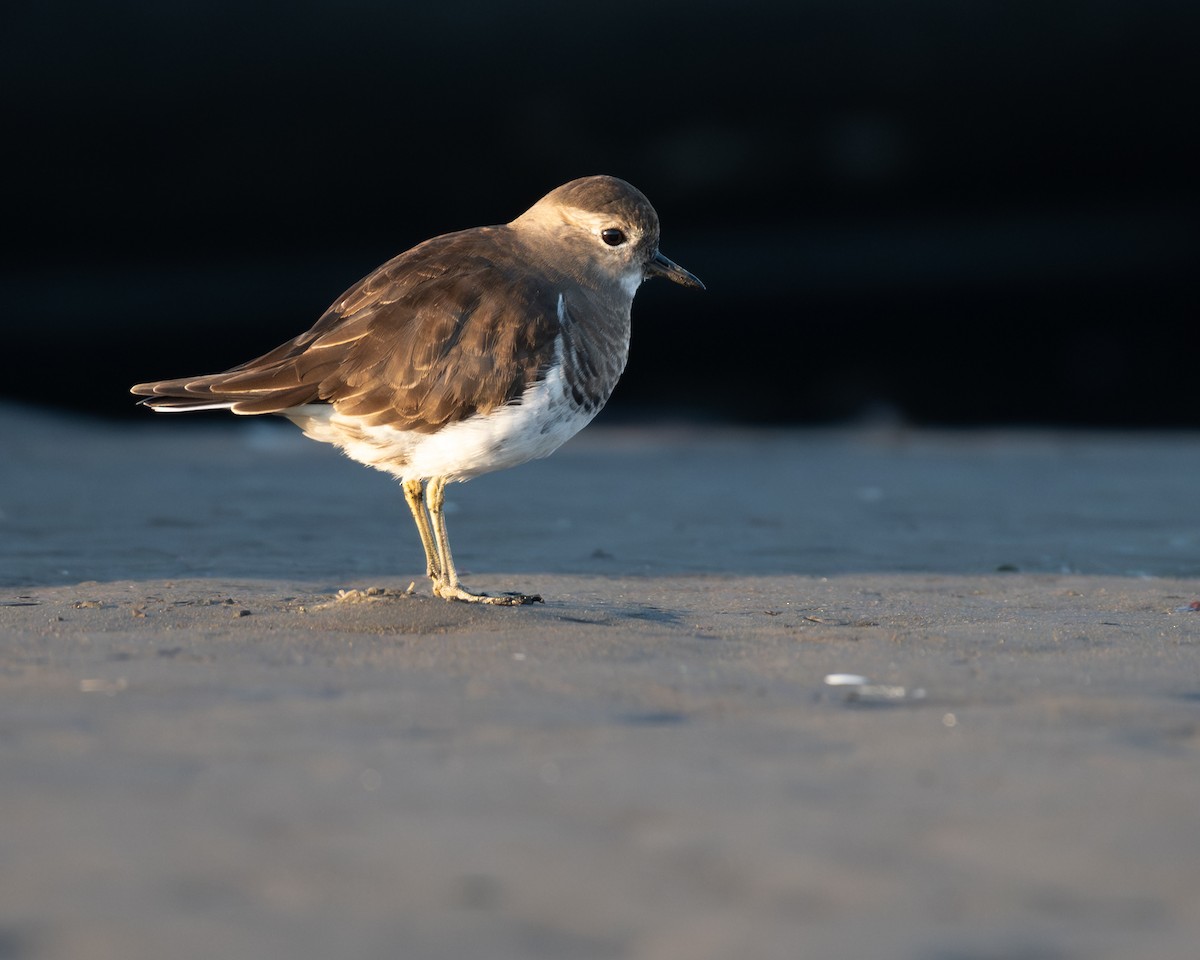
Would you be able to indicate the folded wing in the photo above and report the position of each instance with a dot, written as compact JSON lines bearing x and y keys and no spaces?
{"x":446,"y":330}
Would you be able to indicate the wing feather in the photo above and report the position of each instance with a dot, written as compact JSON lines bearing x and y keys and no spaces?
{"x":456,"y":326}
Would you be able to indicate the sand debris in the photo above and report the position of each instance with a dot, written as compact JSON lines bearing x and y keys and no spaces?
{"x":369,"y":595}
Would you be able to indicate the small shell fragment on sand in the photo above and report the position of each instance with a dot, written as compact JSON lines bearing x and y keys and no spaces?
{"x":844,"y":680}
{"x":102,"y":685}
{"x":860,"y":690}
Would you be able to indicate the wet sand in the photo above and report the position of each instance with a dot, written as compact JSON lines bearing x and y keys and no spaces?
{"x":205,"y":752}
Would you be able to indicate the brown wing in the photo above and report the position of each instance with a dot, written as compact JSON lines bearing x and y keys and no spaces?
{"x":455,"y":326}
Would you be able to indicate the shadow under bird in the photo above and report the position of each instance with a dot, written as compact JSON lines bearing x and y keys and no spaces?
{"x":471,"y":352}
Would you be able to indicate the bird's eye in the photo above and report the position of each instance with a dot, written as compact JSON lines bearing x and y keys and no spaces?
{"x":612,"y":236}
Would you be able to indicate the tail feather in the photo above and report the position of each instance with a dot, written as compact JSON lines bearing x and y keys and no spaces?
{"x":234,"y":390}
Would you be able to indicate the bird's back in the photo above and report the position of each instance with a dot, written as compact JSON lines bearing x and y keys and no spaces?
{"x":448,"y":329}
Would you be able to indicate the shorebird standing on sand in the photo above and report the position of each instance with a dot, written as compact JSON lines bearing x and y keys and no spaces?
{"x":471,"y":352}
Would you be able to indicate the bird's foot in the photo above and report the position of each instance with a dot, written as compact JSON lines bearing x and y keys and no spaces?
{"x":454,"y":592}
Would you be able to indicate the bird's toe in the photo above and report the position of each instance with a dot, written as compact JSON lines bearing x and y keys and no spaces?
{"x":455,"y":592}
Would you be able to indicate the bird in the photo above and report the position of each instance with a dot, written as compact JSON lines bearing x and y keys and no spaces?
{"x":471,"y":352}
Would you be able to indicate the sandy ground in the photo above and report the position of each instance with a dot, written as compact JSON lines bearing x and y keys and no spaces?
{"x":204,"y":753}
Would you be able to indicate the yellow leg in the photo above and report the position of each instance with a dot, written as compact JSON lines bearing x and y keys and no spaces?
{"x":413,"y":489}
{"x":445,"y":583}
{"x":435,"y":501}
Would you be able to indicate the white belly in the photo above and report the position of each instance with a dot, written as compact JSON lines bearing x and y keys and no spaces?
{"x":543,"y":420}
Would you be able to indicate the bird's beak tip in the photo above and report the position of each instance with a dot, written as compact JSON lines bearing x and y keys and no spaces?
{"x":660,"y":266}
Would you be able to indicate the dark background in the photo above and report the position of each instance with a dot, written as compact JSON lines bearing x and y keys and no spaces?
{"x":946,"y":211}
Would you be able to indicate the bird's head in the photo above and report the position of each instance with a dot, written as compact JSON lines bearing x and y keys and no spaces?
{"x":600,"y":229}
